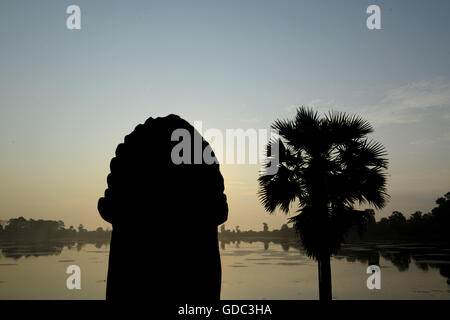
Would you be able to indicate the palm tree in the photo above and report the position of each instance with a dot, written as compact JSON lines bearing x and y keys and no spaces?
{"x":327,"y":165}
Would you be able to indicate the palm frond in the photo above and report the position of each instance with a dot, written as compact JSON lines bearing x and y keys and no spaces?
{"x":278,"y":190}
{"x":374,"y":188}
{"x":344,"y":127}
{"x":373,"y":153}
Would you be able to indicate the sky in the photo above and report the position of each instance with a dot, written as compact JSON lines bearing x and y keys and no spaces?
{"x":68,"y":97}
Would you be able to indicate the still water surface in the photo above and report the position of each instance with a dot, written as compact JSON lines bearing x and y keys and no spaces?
{"x":254,"y":270}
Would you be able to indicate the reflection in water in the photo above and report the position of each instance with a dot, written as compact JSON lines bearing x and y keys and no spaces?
{"x":400,"y":259}
{"x":268,"y":269}
{"x":37,"y":249}
{"x":38,"y":270}
{"x":401,"y":256}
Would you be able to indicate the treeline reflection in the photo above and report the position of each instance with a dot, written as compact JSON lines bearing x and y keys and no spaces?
{"x":424,"y":256}
{"x":402,"y":256}
{"x":17,"y":250}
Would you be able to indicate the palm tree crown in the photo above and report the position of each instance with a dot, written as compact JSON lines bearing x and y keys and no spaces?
{"x":326,"y":165}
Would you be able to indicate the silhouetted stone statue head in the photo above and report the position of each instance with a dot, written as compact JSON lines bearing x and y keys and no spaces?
{"x":165,"y":212}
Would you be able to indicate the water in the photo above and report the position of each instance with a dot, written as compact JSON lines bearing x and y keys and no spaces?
{"x":250,"y":271}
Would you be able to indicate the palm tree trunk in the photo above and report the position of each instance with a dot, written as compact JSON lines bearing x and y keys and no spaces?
{"x":324,"y":277}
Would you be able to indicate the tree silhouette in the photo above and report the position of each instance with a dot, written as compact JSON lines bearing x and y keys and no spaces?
{"x":326,"y":166}
{"x":442,"y":212}
{"x":81,"y":228}
{"x":397,"y":218}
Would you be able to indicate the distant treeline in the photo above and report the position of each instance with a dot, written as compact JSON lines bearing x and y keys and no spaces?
{"x":285,"y":232}
{"x":432,"y":226}
{"x":23,"y":229}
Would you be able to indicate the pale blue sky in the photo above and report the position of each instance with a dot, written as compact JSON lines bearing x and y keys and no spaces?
{"x":67,"y":97}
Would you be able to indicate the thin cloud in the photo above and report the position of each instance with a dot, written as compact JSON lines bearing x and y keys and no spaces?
{"x":443,"y":138}
{"x":408,"y":103}
{"x":404,"y":104}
